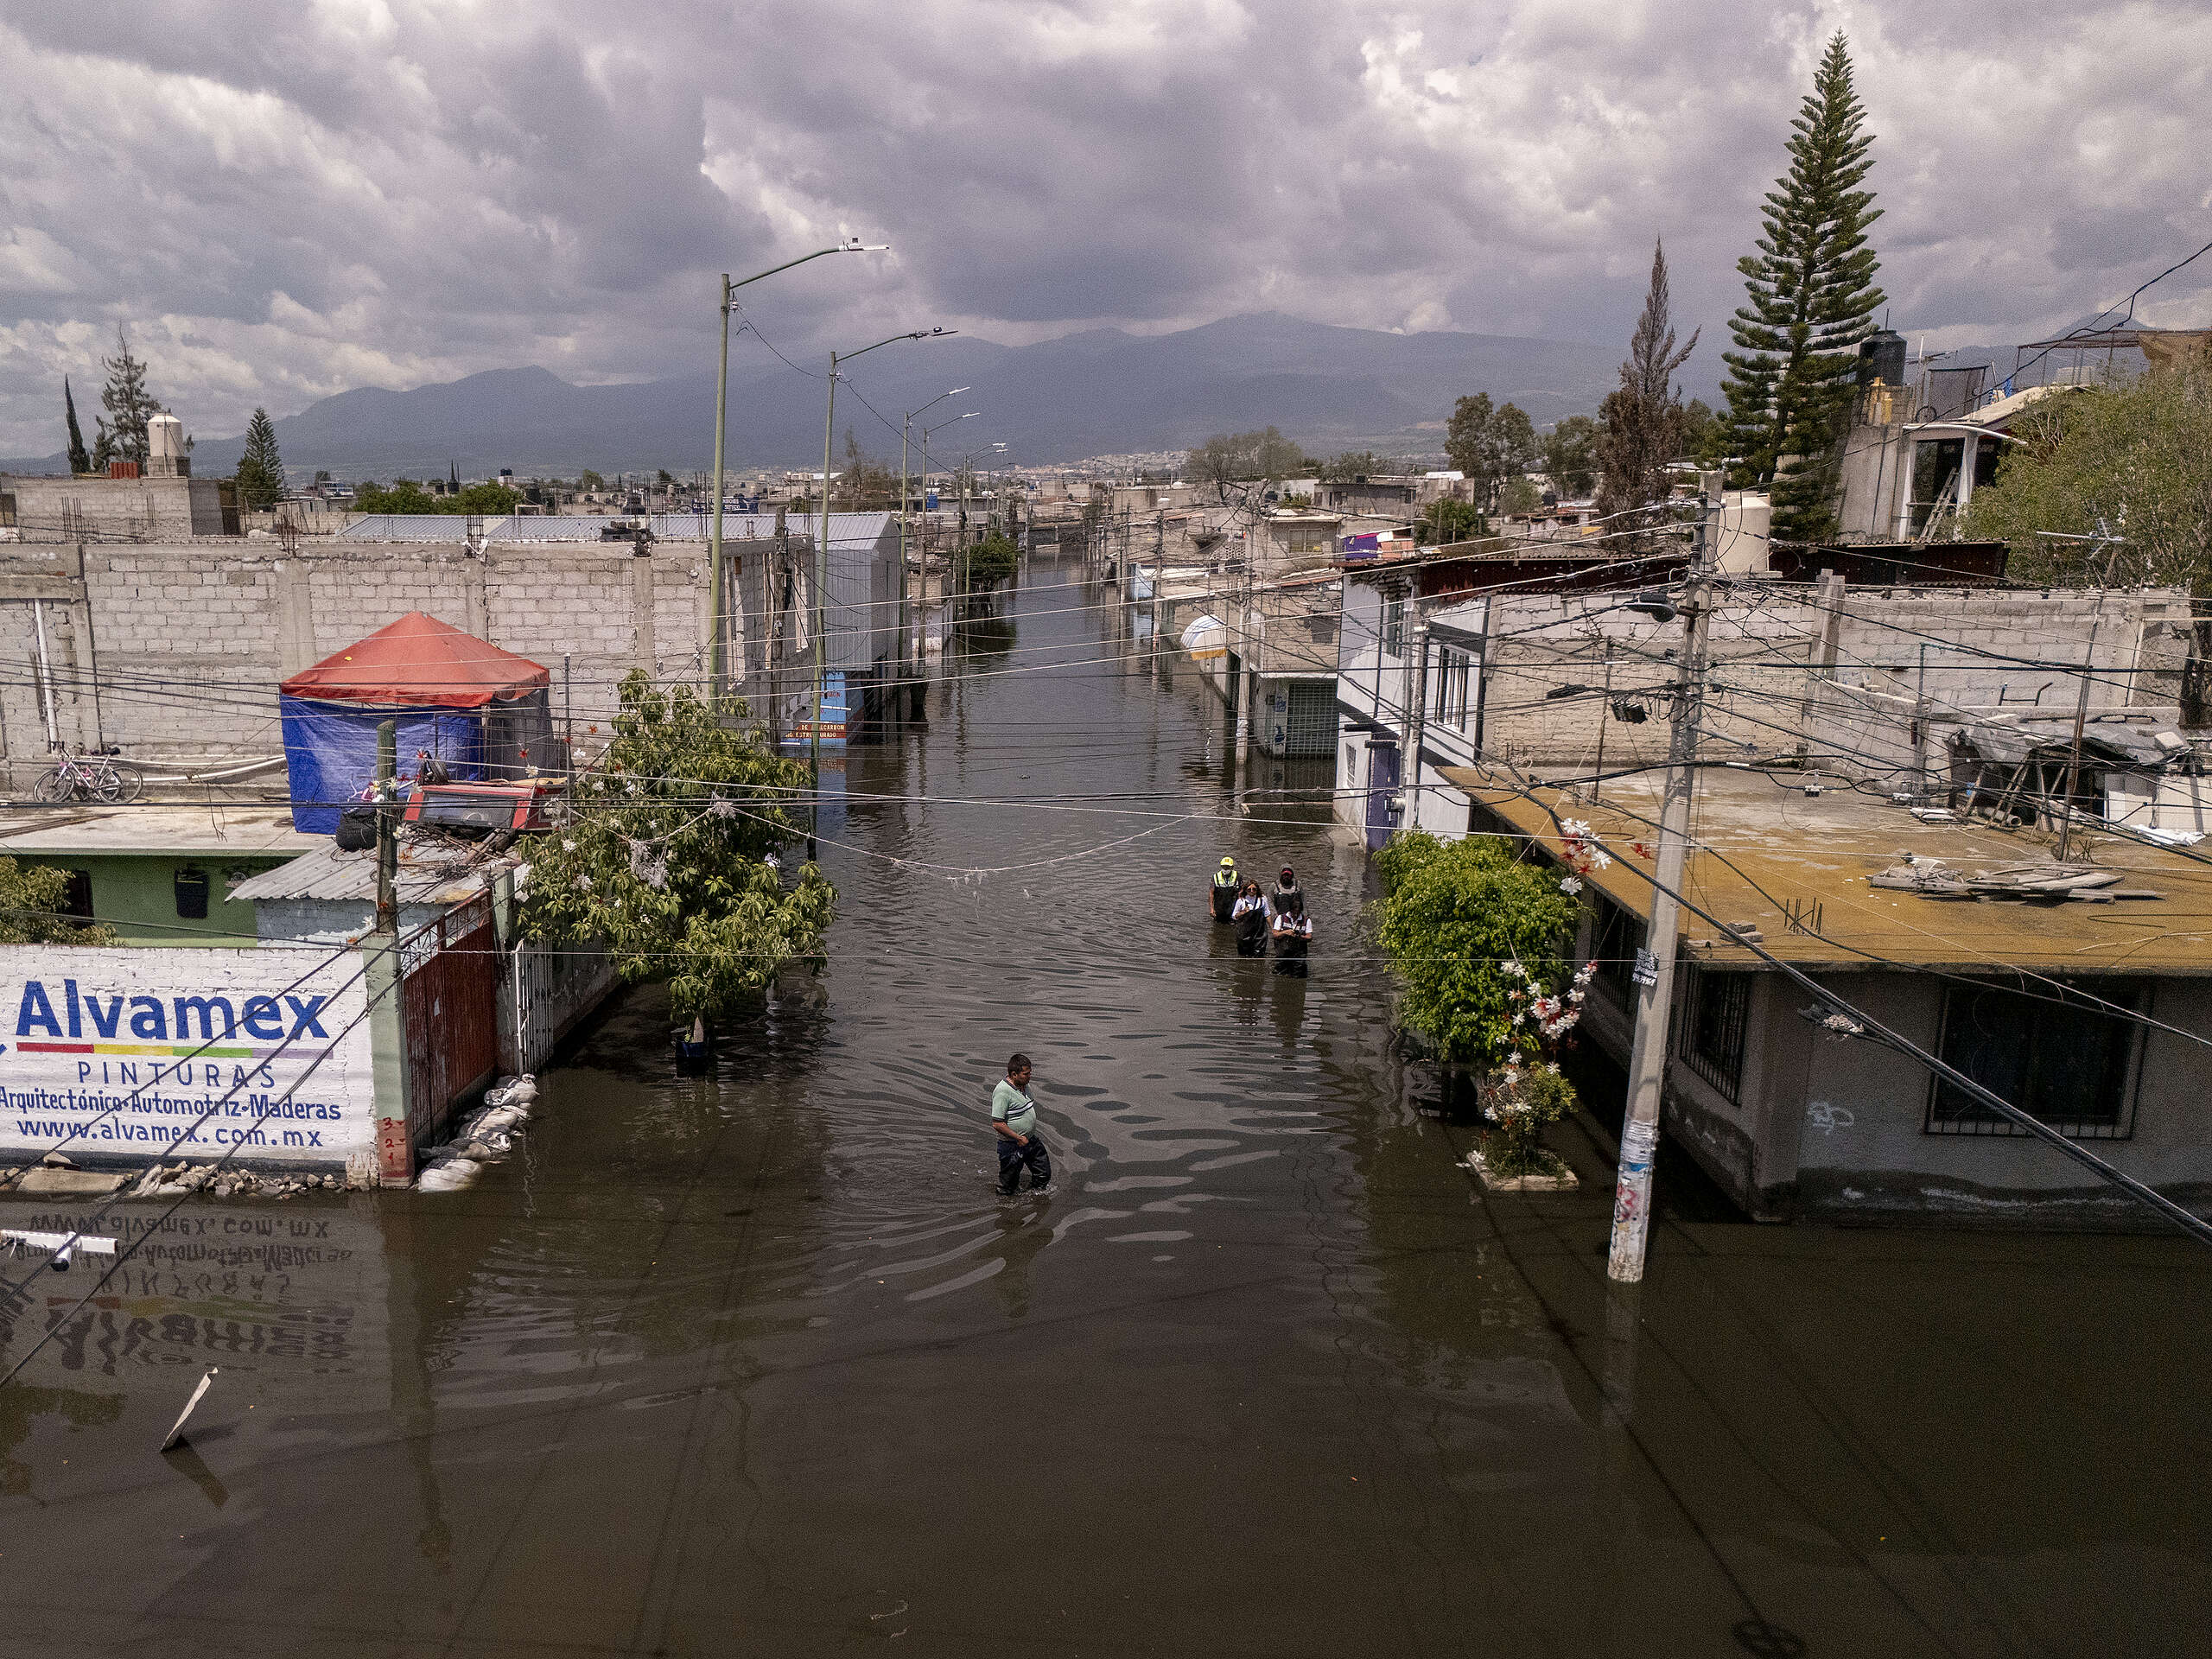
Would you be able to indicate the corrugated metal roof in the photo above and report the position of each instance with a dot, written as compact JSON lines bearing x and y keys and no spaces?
{"x":327,"y":873}
{"x":409,"y":527}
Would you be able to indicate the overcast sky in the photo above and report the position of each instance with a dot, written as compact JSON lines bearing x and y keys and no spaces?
{"x":285,"y":198}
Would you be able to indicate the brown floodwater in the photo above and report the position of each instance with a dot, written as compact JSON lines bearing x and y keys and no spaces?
{"x":758,"y":1362}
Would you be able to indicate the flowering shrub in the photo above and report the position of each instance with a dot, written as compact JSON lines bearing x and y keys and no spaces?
{"x":1520,"y":1103}
{"x":1475,"y":936}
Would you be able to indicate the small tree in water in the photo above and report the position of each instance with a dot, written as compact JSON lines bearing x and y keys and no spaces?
{"x":1476,"y":939}
{"x":665,"y":859}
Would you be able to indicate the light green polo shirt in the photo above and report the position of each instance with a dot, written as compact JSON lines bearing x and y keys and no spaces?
{"x":1014,"y":1109}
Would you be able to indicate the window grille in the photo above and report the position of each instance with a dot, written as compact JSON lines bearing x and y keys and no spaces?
{"x":1454,"y":677}
{"x":1710,"y":1040}
{"x":2056,"y":1054}
{"x":1394,"y":625}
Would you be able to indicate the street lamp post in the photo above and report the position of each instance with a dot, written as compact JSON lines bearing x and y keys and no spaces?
{"x":716,"y":666}
{"x":820,"y":608}
{"x":906,"y":434}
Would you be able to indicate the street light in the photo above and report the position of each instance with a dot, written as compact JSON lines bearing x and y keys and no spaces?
{"x":716,"y":664}
{"x":822,"y":566}
{"x":906,"y":434}
{"x":926,"y":430}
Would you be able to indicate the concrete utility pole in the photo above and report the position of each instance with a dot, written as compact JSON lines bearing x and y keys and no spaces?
{"x":1655,"y":966}
{"x":387,"y":831}
{"x":772,"y":602}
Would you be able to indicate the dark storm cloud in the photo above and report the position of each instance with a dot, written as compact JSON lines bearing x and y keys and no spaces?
{"x":286,"y":199}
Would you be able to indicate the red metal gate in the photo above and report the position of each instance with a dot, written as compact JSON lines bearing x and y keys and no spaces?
{"x":448,"y":999}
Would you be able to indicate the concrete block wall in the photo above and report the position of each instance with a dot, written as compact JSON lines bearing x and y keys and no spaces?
{"x":173,"y":651}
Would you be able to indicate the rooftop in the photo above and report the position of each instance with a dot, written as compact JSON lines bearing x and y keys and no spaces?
{"x":430,"y":873}
{"x":154,"y":827}
{"x":1760,"y":844}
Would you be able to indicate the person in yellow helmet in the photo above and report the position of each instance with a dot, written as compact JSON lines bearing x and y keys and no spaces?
{"x":1221,"y":898}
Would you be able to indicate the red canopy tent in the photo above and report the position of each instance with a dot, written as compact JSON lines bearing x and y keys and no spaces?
{"x":483,"y":713}
{"x":419,"y":662}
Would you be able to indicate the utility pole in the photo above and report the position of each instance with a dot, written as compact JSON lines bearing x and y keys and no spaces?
{"x":1655,"y":966}
{"x":899,"y":695}
{"x":387,"y":831}
{"x":771,"y":592}
{"x":2081,"y":718}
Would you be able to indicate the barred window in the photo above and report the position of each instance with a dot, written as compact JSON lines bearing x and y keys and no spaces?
{"x":1716,"y":1010}
{"x":1454,"y":677}
{"x":1394,"y":625}
{"x":2057,"y":1054}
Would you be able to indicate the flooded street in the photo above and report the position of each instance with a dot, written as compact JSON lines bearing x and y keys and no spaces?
{"x":759,"y":1363}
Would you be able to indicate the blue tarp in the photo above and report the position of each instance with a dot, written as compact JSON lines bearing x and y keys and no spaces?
{"x":330,"y":752}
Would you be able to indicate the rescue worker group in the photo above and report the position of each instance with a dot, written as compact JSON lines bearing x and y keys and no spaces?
{"x":1277,"y":915}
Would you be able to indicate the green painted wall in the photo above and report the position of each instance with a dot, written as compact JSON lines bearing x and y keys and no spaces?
{"x":136,"y":893}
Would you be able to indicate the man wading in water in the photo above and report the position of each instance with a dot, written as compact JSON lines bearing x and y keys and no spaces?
{"x":1014,"y":1120}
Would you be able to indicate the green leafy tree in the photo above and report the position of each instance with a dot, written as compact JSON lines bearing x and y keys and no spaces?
{"x":261,"y":470}
{"x":1358,"y":464}
{"x":80,"y":459}
{"x":32,"y":897}
{"x":990,"y":561}
{"x":1232,"y":457}
{"x":1488,"y":445}
{"x":1704,"y":438}
{"x":1463,"y":440}
{"x":1643,"y":415}
{"x":405,"y":495}
{"x":590,"y":481}
{"x":130,"y":406}
{"x":2129,"y":469}
{"x":1447,"y":520}
{"x":1810,"y":299}
{"x":1455,"y":918}
{"x":1570,"y":454}
{"x":665,"y":859}
{"x":1520,"y":495}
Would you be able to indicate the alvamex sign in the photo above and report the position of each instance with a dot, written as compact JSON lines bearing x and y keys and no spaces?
{"x":137,"y":1051}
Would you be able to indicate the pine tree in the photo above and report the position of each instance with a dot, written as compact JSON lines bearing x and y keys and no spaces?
{"x":1643,"y":417}
{"x":129,"y":406}
{"x":261,"y":471}
{"x":80,"y":461}
{"x":1812,"y":299}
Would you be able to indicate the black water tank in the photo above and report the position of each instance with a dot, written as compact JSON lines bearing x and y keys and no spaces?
{"x":1881,"y":357}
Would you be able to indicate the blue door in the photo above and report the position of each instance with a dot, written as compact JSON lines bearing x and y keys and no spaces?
{"x":1382,"y":785}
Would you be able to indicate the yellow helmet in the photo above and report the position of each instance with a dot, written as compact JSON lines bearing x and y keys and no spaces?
{"x":1228,"y":863}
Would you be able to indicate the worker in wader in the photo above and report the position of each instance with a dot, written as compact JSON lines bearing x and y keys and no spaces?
{"x":1221,"y":898}
{"x":1250,"y":917}
{"x":1293,"y":936}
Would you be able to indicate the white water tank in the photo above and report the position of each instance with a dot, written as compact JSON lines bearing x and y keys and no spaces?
{"x":165,"y":456}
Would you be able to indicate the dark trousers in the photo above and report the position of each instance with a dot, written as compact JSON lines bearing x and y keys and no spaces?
{"x":1013,"y":1156}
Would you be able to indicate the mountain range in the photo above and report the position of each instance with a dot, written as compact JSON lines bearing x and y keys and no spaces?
{"x":1102,"y":392}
